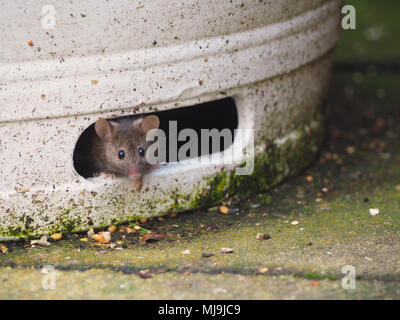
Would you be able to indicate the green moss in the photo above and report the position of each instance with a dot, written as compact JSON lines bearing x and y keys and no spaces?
{"x":315,"y":276}
{"x":17,"y":232}
{"x":264,"y":199}
{"x":270,"y":168}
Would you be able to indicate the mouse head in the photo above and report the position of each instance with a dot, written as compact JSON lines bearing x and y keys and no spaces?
{"x":125,"y":144}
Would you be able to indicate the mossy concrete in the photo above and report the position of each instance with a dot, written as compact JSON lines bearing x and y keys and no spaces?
{"x":305,"y":260}
{"x":96,"y":284}
{"x":359,"y":167}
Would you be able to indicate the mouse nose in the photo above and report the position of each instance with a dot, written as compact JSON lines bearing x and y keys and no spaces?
{"x":134,"y":171}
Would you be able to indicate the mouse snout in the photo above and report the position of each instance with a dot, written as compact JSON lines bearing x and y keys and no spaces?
{"x":134,"y":170}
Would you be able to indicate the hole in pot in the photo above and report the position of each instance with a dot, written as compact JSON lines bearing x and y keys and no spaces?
{"x":218,"y":114}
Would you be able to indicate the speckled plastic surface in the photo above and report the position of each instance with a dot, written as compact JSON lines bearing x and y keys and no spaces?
{"x":112,"y":58}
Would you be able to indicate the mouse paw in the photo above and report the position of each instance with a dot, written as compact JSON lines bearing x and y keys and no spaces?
{"x":137,"y":185}
{"x":105,"y":175}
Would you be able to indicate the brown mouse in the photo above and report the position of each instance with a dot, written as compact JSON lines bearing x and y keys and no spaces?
{"x":119,"y":147}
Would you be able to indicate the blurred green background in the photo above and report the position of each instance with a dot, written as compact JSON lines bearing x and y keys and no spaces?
{"x":377,"y":37}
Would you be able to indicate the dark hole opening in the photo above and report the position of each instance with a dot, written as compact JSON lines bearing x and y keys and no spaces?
{"x":217,"y":114}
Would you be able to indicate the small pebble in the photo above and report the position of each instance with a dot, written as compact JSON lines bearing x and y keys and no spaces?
{"x":42,"y":242}
{"x":373,"y":212}
{"x":90,"y":233}
{"x":264,"y":236}
{"x":295,"y":222}
{"x":226,"y":250}
{"x":350,"y":149}
{"x":207,"y":255}
{"x":186,"y":252}
{"x":144,"y":274}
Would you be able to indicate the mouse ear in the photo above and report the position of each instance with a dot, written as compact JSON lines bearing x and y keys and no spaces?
{"x":105,"y":130}
{"x":148,"y":123}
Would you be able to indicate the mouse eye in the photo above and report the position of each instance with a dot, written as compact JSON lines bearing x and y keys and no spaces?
{"x":141,"y":151}
{"x":121,"y":154}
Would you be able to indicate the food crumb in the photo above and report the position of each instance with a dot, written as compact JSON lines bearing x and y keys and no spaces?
{"x":315,"y":283}
{"x":224,"y":209}
{"x":226,"y":250}
{"x":3,"y":249}
{"x":263,"y":270}
{"x":56,"y":236}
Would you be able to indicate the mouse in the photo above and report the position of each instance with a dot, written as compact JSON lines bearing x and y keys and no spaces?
{"x":119,"y":147}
